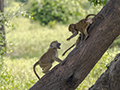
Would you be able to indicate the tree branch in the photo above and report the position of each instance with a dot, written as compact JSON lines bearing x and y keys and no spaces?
{"x":110,"y":80}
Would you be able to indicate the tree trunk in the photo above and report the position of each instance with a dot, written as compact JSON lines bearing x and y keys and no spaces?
{"x":2,"y":5}
{"x":82,"y":59}
{"x":2,"y":30}
{"x":110,"y":80}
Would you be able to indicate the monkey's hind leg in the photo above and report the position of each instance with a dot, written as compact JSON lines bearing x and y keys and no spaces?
{"x":46,"y":69}
{"x":86,"y":34}
{"x":79,"y":39}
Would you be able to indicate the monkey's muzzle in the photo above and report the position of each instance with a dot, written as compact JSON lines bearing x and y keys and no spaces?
{"x":58,"y":45}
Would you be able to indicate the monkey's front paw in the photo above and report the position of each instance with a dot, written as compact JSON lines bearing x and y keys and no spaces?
{"x":68,"y":39}
{"x":45,"y":71}
{"x":63,"y":54}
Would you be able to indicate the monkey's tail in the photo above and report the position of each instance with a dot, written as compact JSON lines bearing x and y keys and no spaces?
{"x":68,"y":49}
{"x":37,"y":63}
{"x":94,"y":15}
{"x":90,"y":15}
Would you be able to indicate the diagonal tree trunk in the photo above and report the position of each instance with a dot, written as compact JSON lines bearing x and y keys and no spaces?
{"x":82,"y":59}
{"x":110,"y":79}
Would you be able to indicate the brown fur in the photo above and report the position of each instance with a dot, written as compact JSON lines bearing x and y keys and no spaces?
{"x":48,"y":58}
{"x":81,"y":26}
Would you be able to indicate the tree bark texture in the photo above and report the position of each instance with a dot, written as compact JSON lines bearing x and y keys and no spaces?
{"x":82,"y":59}
{"x":2,"y":5}
{"x":2,"y":30}
{"x":110,"y":79}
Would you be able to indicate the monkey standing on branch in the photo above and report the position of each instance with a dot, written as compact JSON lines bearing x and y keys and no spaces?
{"x":80,"y":26}
{"x":48,"y":58}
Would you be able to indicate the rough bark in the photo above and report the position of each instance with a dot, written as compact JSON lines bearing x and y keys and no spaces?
{"x":2,"y":30}
{"x":110,"y":79}
{"x":82,"y":59}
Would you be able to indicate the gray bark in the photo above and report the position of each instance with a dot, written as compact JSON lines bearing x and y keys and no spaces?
{"x":2,"y":5}
{"x":110,"y":79}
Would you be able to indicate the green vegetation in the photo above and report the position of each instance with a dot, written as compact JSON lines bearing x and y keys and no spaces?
{"x":27,"y":43}
{"x":62,"y":11}
{"x":96,"y":2}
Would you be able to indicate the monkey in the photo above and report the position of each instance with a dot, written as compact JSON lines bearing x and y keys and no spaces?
{"x":81,"y":26}
{"x":75,"y":44}
{"x":45,"y":62}
{"x":74,"y":28}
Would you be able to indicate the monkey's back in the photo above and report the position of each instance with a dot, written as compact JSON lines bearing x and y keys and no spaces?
{"x":81,"y":24}
{"x":47,"y":57}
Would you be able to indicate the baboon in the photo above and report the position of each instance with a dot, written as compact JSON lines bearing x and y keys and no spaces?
{"x":81,"y":26}
{"x":48,"y":58}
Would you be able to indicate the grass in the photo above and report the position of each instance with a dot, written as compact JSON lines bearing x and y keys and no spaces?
{"x":17,"y":74}
{"x":27,"y":43}
{"x":34,"y":38}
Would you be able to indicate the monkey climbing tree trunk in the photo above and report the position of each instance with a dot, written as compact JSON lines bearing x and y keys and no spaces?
{"x":2,"y":30}
{"x":83,"y":58}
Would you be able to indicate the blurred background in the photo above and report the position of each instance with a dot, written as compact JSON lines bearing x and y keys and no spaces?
{"x":30,"y":26}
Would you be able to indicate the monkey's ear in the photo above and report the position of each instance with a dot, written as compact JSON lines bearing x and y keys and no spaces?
{"x":71,"y":26}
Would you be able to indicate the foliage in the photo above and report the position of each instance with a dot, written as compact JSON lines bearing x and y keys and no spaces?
{"x":2,"y":50}
{"x":6,"y":79}
{"x":63,"y":11}
{"x":1,"y":63}
{"x":101,"y":2}
{"x":21,"y":1}
{"x":116,"y":43}
{"x":50,"y":10}
{"x":11,"y":13}
{"x":16,"y":78}
{"x":5,"y":19}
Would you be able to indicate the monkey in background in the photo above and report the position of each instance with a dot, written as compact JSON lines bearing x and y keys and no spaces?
{"x":48,"y":58}
{"x":81,"y":26}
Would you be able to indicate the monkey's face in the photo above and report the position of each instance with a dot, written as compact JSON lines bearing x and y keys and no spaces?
{"x":72,"y":28}
{"x":55,"y":44}
{"x":58,"y":45}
